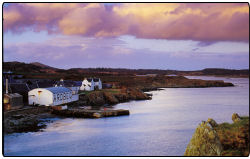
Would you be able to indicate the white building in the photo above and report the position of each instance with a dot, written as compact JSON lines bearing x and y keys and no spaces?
{"x":90,"y":84}
{"x":51,"y":96}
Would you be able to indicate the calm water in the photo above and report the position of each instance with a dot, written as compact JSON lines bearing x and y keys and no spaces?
{"x":162,"y":126}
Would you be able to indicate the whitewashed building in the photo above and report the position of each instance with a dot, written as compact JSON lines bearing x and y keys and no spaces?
{"x":51,"y":96}
{"x":90,"y":84}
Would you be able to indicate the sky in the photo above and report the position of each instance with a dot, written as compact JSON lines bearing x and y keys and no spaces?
{"x":181,"y":36}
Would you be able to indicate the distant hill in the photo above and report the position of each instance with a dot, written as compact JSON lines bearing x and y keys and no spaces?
{"x":44,"y":70}
{"x":42,"y":65}
{"x":26,"y":68}
{"x":217,"y":71}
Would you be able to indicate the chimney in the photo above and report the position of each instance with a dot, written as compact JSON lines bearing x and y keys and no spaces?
{"x":7,"y":86}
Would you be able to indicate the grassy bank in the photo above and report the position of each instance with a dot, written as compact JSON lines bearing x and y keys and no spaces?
{"x":109,"y":97}
{"x":234,"y":137}
{"x":225,"y":139}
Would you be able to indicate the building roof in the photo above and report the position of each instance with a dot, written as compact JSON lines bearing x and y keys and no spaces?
{"x":45,"y":84}
{"x":9,"y":72}
{"x":96,"y":79}
{"x":78,"y":83}
{"x":13,"y":95}
{"x":18,"y":88}
{"x":56,"y":90}
{"x":89,"y":79}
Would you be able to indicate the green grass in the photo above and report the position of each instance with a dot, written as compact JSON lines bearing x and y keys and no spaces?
{"x":113,"y":91}
{"x":84,"y":92}
{"x":244,"y":120}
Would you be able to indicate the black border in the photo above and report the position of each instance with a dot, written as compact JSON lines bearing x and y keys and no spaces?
{"x":90,"y":2}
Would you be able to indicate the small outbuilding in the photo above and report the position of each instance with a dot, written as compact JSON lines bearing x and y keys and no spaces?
{"x":13,"y":101}
{"x":51,"y":96}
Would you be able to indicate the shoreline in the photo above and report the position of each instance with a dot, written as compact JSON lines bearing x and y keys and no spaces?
{"x":31,"y":121}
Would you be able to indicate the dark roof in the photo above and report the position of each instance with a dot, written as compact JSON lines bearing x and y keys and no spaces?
{"x":45,"y":84}
{"x":78,"y":83}
{"x":18,"y":88}
{"x":67,"y":83}
{"x":9,"y":72}
{"x":89,"y":79}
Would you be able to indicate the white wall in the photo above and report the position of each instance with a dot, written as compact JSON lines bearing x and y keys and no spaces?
{"x":100,"y":84}
{"x":87,"y":87}
{"x":75,"y":97}
{"x":45,"y":97}
{"x":74,"y":89}
{"x":62,"y":98}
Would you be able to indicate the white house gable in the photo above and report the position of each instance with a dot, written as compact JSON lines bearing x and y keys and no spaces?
{"x":90,"y":84}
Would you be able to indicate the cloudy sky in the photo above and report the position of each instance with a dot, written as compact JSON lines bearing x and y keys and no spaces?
{"x":183,"y":36}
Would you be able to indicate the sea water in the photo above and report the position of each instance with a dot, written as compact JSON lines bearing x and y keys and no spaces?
{"x":162,"y":126}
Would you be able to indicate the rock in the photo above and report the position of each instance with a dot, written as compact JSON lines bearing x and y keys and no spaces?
{"x":97,"y":115}
{"x":136,"y":94}
{"x":110,"y":98}
{"x":17,"y":116}
{"x":212,"y":122}
{"x":24,"y":124}
{"x":122,"y":97}
{"x":95,"y":98}
{"x":204,"y":142}
{"x":100,"y":98}
{"x":235,"y":117}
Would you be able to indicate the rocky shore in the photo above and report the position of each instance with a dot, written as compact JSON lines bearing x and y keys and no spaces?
{"x":32,"y":119}
{"x":181,"y":82}
{"x":136,"y":90}
{"x":81,"y":113}
{"x":212,"y":139}
{"x":26,"y":120}
{"x":110,"y":97}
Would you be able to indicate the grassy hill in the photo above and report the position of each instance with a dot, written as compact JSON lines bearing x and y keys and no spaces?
{"x":36,"y":68}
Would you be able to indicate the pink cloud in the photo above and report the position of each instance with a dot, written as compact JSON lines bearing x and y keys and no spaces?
{"x":194,"y":21}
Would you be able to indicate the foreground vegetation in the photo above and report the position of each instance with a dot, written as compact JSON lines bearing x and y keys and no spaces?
{"x":212,"y":139}
{"x":234,"y":137}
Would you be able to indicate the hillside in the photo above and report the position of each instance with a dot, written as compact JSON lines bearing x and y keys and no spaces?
{"x":42,"y":65}
{"x":28,"y":68}
{"x":43,"y":71}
